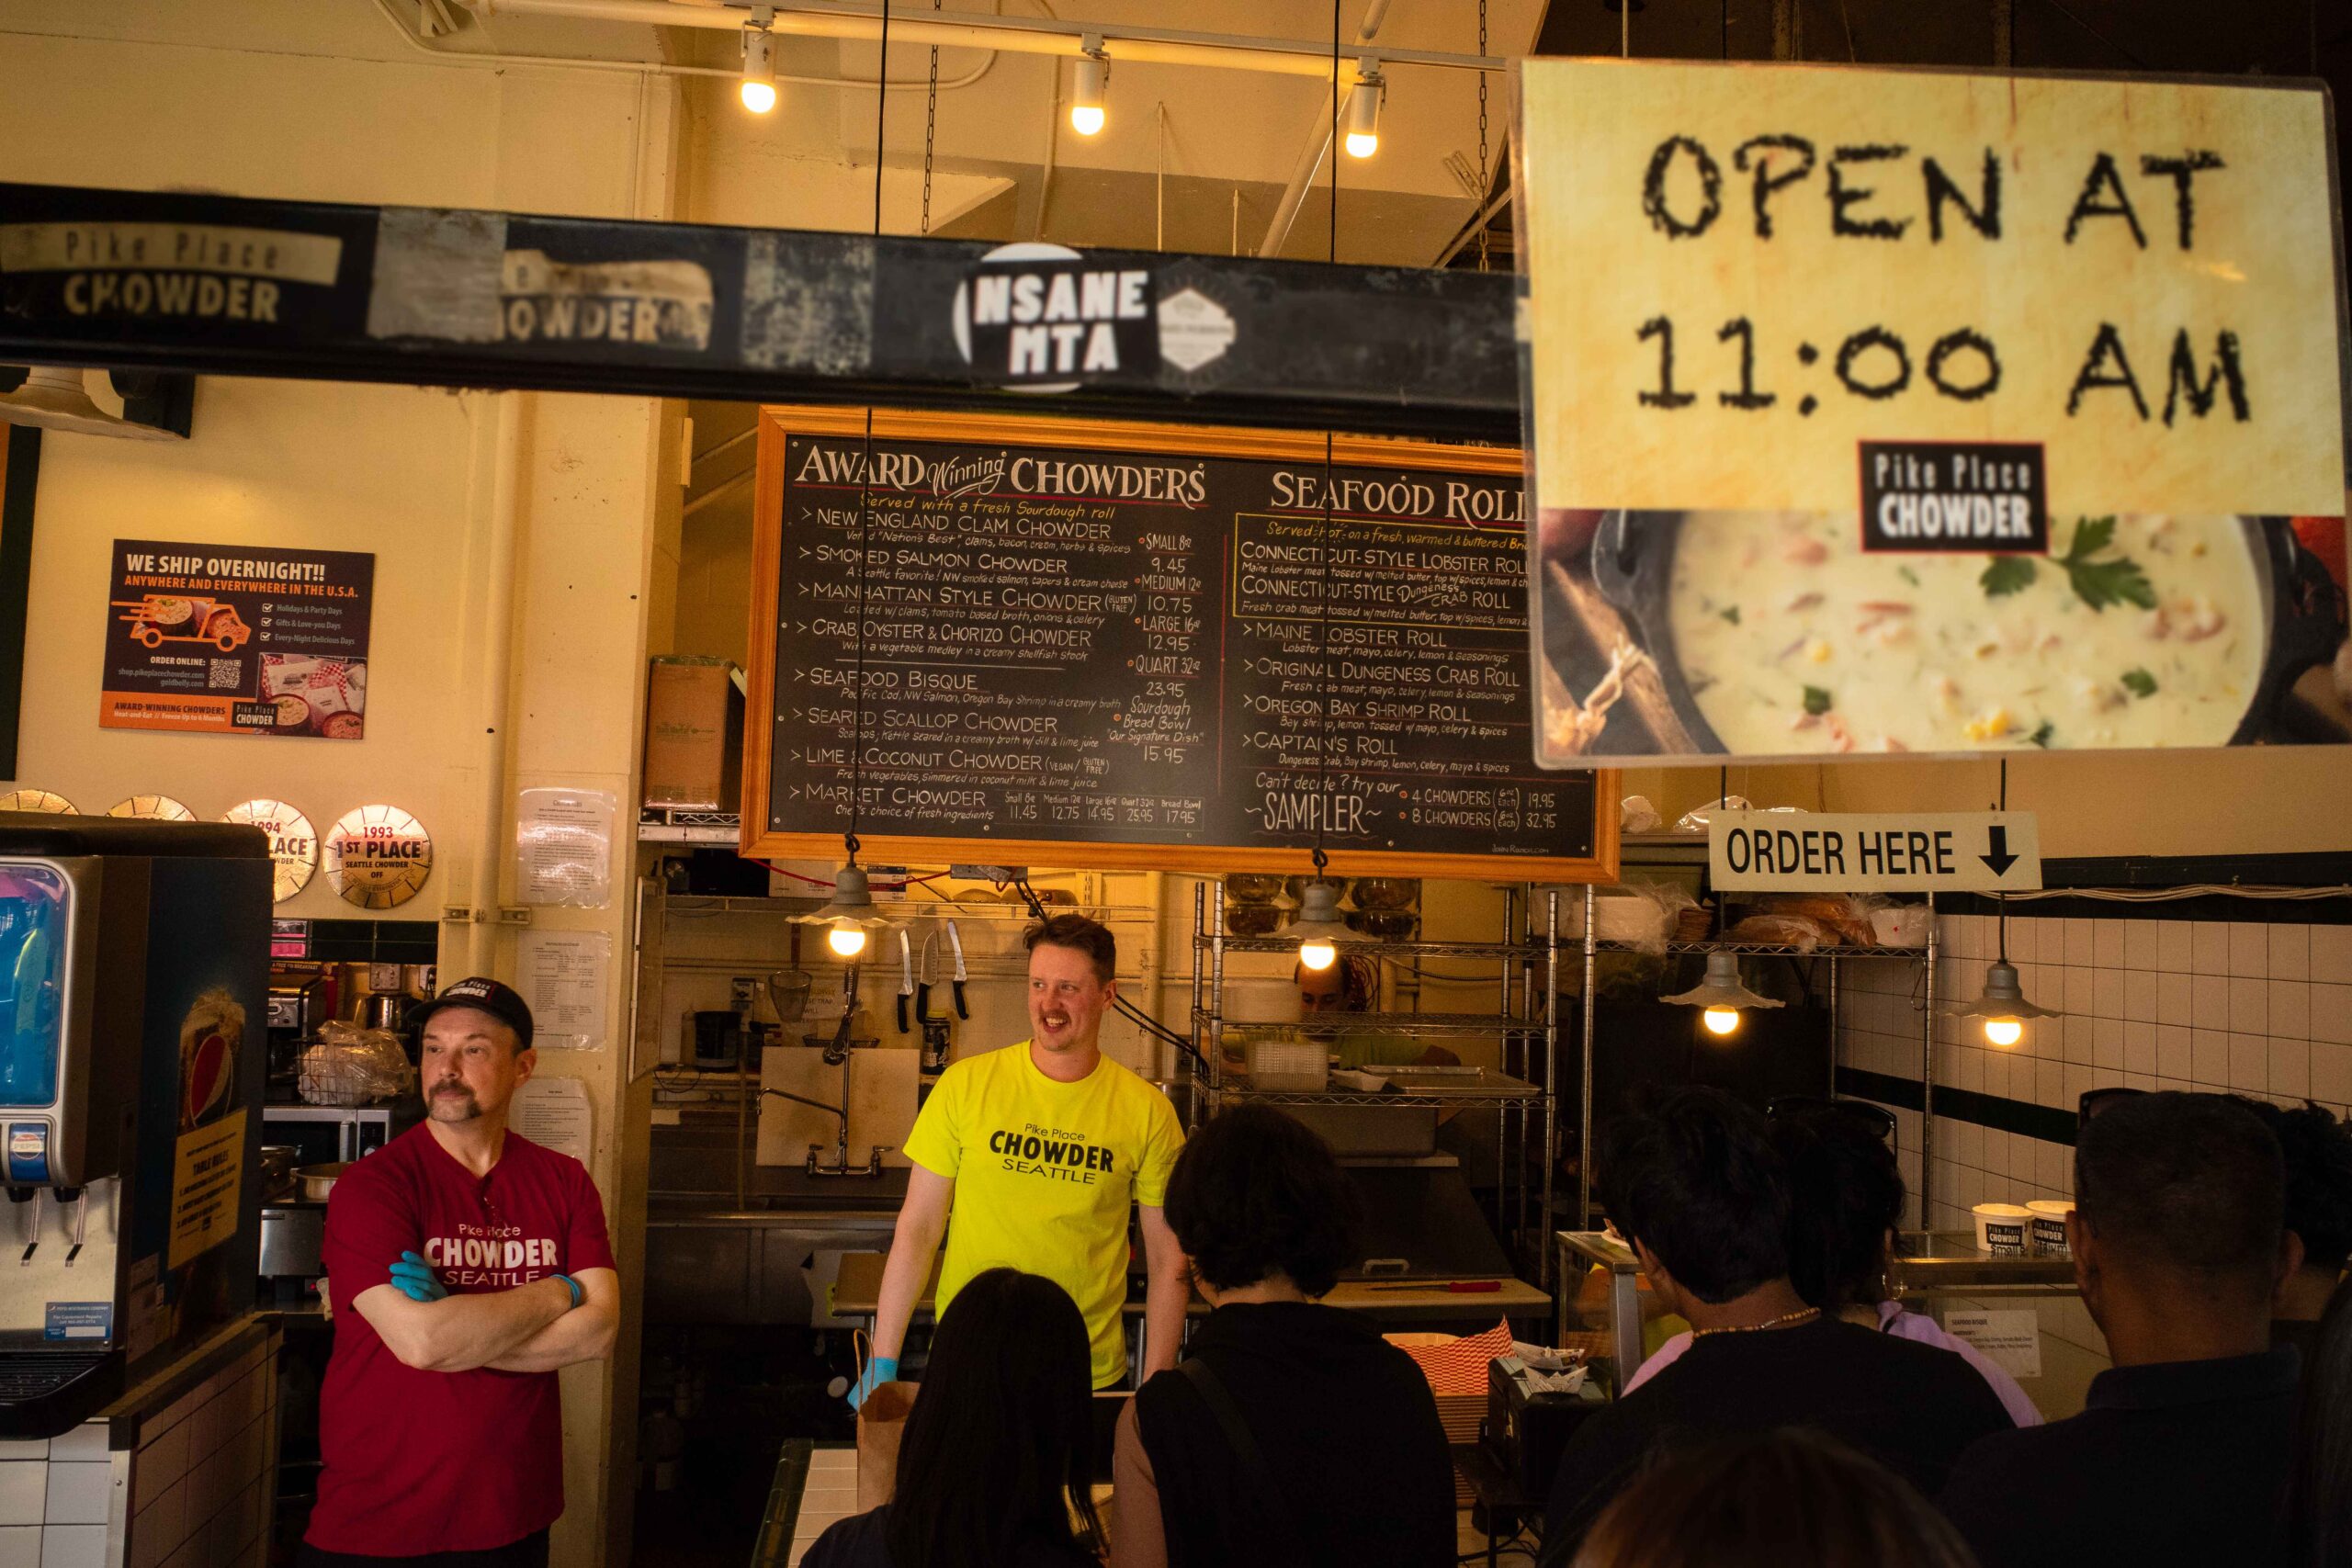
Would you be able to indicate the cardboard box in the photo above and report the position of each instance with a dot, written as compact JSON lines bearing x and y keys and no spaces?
{"x":693,"y":736}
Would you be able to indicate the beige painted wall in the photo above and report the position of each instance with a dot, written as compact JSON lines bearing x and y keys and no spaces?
{"x":281,"y":98}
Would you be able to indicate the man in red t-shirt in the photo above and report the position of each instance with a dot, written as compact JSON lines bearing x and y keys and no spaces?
{"x":467,"y":1264}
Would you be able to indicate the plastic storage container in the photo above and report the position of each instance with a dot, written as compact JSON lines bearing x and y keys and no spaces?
{"x":1288,"y":1066}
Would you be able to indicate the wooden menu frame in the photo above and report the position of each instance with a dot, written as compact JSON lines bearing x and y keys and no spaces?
{"x":777,"y":423}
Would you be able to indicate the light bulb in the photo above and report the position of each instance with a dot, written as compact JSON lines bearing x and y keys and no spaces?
{"x":846,"y":939}
{"x":1086,"y":95}
{"x":1316,"y":955}
{"x":1363,"y":113}
{"x":1720,"y":1020}
{"x":758,"y":90}
{"x":2004,"y":1031}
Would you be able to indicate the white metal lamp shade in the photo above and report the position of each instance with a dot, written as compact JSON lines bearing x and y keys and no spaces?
{"x":1319,"y":928}
{"x":849,"y":915}
{"x":55,"y":398}
{"x":2003,"y":1006}
{"x":1721,"y":988}
{"x":1721,"y":994}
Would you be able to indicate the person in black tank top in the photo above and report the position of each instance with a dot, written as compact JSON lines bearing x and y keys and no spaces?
{"x":1294,"y":1435}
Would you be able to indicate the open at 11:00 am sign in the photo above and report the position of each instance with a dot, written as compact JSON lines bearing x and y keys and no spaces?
{"x":1883,"y":411}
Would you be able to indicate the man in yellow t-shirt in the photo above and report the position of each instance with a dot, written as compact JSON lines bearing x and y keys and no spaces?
{"x":1030,"y":1156}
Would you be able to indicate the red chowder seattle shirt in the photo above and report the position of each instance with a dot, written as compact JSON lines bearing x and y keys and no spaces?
{"x":445,"y":1462}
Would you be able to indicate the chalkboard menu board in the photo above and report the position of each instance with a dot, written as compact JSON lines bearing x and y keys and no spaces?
{"x":1084,"y":644}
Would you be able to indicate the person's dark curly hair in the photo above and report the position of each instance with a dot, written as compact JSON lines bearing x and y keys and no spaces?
{"x":1257,"y":1193}
{"x":2318,"y":1149}
{"x":1845,"y":1194}
{"x":1692,"y":1174}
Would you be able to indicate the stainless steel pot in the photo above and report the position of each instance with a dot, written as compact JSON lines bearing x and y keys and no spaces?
{"x":318,"y":1181}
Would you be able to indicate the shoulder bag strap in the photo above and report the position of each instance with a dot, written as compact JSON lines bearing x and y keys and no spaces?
{"x":1278,"y":1513}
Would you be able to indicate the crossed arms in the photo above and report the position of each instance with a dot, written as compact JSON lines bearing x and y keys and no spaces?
{"x":531,"y":1328}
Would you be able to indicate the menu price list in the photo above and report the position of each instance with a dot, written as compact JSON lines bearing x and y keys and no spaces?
{"x":1212,"y":662}
{"x":1027,"y":662}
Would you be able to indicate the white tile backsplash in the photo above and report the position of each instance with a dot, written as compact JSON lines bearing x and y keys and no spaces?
{"x":2243,"y":1006}
{"x":2290,"y":953}
{"x":2331,"y":954}
{"x":78,"y":1494}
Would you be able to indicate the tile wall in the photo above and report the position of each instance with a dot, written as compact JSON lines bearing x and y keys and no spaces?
{"x":2249,"y":1007}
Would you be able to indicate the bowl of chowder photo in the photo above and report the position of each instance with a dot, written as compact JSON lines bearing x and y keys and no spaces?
{"x":1775,"y":633}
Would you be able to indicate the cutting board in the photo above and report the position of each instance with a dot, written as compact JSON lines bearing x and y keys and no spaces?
{"x":881,"y":1107}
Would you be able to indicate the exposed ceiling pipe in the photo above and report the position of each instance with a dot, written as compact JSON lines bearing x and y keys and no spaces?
{"x":1319,"y":142}
{"x":495,"y":60}
{"x":980,"y":29}
{"x":1469,"y":234}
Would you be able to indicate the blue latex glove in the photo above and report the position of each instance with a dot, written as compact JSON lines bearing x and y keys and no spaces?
{"x":879,"y":1369}
{"x":413,"y":1278}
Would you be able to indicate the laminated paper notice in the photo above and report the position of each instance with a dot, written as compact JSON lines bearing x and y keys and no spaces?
{"x":563,"y":847}
{"x":208,"y":1170}
{"x":2010,"y":1340}
{"x":564,"y":979}
{"x":555,"y":1113}
{"x":1880,"y":412}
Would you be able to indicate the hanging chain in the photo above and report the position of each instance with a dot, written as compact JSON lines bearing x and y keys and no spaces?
{"x":1479,"y":212}
{"x":849,"y":843}
{"x":929,"y":130}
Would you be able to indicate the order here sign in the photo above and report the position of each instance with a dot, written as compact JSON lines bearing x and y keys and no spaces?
{"x":1940,"y":852}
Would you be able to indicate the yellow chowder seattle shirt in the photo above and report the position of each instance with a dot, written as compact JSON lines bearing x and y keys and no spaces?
{"x":1044,"y":1174}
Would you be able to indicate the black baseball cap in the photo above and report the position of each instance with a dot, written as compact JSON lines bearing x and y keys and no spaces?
{"x":502,"y":1003}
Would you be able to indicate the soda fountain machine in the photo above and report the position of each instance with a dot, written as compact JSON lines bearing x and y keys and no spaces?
{"x":135,"y":960}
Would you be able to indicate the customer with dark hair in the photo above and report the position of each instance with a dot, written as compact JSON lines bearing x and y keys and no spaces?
{"x":1845,"y":1202}
{"x":1787,"y":1499}
{"x":2181,"y":1454}
{"x":1694,"y":1184}
{"x":2319,"y":1217}
{"x":2319,"y":1493}
{"x":1293,"y":1435}
{"x":994,"y":1465}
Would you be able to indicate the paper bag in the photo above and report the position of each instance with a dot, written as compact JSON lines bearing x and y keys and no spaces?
{"x":881,"y":1422}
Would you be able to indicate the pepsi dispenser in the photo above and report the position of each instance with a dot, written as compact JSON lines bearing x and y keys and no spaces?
{"x":134,"y":961}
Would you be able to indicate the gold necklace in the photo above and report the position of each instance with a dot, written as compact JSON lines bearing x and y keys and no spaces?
{"x":1786,"y":1317}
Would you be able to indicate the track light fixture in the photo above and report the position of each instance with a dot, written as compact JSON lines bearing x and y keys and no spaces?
{"x":1363,"y":109}
{"x":758,"y":89}
{"x":1086,"y":116}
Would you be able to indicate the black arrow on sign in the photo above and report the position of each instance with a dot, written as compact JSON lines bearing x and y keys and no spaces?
{"x":2000,"y":859}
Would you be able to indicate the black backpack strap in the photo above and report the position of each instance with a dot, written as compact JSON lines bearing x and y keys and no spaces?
{"x":1238,"y":1436}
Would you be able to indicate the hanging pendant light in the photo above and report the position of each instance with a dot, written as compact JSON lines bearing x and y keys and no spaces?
{"x":849,"y":915}
{"x":1722,"y":995}
{"x":1319,"y":928}
{"x":2003,"y":1006}
{"x":57,"y":398}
